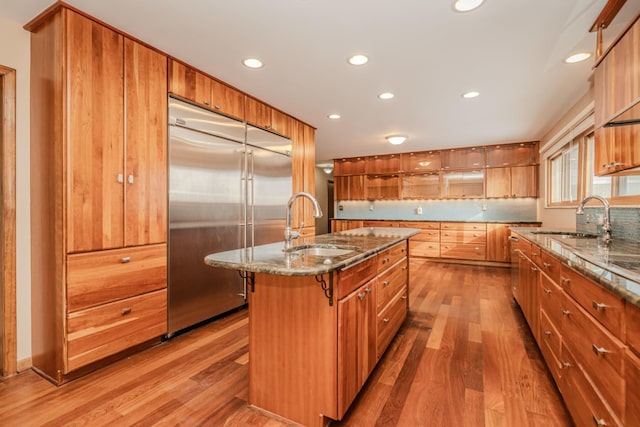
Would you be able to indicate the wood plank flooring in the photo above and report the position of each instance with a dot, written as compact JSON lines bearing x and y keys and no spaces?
{"x":464,"y":357}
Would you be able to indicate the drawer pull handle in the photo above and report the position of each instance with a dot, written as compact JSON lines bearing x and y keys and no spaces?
{"x":385,"y":283}
{"x":566,"y":312}
{"x":599,"y":351}
{"x":386,"y":320}
{"x":534,"y":254}
{"x":566,"y":365}
{"x":125,"y":260}
{"x":362,"y":295}
{"x":565,"y":280}
{"x":599,"y":421}
{"x":126,"y":311}
{"x":598,"y":306}
{"x":367,"y":290}
{"x":546,"y":265}
{"x":404,"y":297}
{"x":547,"y":291}
{"x":403,"y":268}
{"x":534,"y":269}
{"x":547,"y":333}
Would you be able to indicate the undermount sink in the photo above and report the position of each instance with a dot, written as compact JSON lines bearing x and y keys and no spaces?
{"x":566,"y":234}
{"x":322,"y":250}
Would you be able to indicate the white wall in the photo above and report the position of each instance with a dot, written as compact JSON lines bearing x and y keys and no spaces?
{"x":15,"y":53}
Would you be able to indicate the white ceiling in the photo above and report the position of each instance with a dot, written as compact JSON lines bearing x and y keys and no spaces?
{"x":511,"y":51}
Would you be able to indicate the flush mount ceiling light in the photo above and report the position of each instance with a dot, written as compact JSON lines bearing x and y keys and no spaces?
{"x":396,"y":139}
{"x":466,"y":5}
{"x":471,"y":94}
{"x":358,"y":60}
{"x":386,"y":95}
{"x":334,"y":116}
{"x":252,"y":63}
{"x":578,"y":57}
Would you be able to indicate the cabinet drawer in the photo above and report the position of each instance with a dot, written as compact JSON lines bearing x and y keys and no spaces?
{"x":463,"y":251}
{"x":351,"y":277}
{"x":427,"y":236}
{"x":536,"y":255}
{"x":391,"y":255}
{"x":549,"y":334}
{"x":551,"y":267}
{"x":424,"y":249}
{"x":551,"y":300}
{"x":464,"y":226}
{"x":96,"y":278}
{"x":581,"y":399}
{"x":597,"y":301}
{"x":98,"y":332}
{"x":390,"y":319}
{"x":379,"y":223}
{"x":632,"y":317}
{"x":463,"y":236}
{"x":597,"y":352}
{"x":425,"y":225}
{"x":389,"y":284}
{"x":632,"y":376}
{"x":552,"y":359}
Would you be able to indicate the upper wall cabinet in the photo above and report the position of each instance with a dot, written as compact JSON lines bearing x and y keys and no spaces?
{"x":463,"y":158}
{"x":617,"y":105}
{"x":351,"y":166}
{"x":523,"y":154}
{"x":195,"y":86}
{"x":260,"y":114}
{"x":382,"y":164}
{"x":425,"y":161}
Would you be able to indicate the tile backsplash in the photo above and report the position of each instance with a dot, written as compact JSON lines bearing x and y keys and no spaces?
{"x":625,"y":222}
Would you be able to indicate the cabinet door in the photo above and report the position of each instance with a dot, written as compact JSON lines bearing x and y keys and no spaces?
{"x":350,"y":166}
{"x":498,"y":182}
{"x":227,"y":100}
{"x":463,"y":184}
{"x":524,"y":181}
{"x":146,"y":145}
{"x":257,"y":113}
{"x":303,"y":164}
{"x":379,"y":164}
{"x":189,"y":83}
{"x":356,"y":342}
{"x":383,"y":187}
{"x":341,"y":188}
{"x":356,"y":187}
{"x":463,"y":158}
{"x":498,"y":247}
{"x":632,"y":377}
{"x":281,"y":123}
{"x":96,"y":119}
{"x":421,"y":162}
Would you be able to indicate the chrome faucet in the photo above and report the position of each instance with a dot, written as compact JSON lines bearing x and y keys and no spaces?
{"x":289,"y":234}
{"x":606,"y":227}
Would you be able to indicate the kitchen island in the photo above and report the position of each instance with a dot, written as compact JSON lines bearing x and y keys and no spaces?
{"x":321,"y":315}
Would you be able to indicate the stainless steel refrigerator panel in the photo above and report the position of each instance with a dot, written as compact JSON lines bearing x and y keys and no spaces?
{"x":270,"y":190}
{"x":206,"y":215}
{"x":263,"y":139}
{"x":183,"y":114}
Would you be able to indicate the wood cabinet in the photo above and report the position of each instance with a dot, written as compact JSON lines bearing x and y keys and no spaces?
{"x":382,"y":164}
{"x":382,"y":187}
{"x":345,"y":224}
{"x":421,"y":186}
{"x":528,"y":293}
{"x":424,"y":161}
{"x":206,"y":91}
{"x":304,"y":176}
{"x":463,"y":184}
{"x":427,"y":242}
{"x":349,"y":166}
{"x":632,"y":322}
{"x":518,"y":181}
{"x":632,"y":379}
{"x":262,"y":115}
{"x":349,"y":187}
{"x":550,"y":296}
{"x":334,"y":347}
{"x":98,"y":184}
{"x":463,"y":158}
{"x":504,"y":155}
{"x":498,"y":244}
{"x":616,"y":93}
{"x":465,"y":240}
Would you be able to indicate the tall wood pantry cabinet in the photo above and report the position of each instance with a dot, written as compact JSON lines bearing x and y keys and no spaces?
{"x":98,"y":193}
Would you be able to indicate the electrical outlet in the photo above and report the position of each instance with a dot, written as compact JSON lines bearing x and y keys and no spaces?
{"x":371,"y":207}
{"x":484,"y":206}
{"x":419,"y":210}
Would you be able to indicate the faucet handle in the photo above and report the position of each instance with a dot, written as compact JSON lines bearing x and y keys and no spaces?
{"x":296,"y":234}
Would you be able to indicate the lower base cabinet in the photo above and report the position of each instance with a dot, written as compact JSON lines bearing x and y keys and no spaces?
{"x":310,"y":355}
{"x":632,"y":377}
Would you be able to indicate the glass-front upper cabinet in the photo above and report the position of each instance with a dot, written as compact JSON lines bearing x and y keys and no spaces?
{"x":349,"y":166}
{"x":522,"y":154}
{"x":463,"y":158}
{"x":423,"y":161}
{"x":463,"y":184}
{"x":421,"y":186}
{"x":382,"y":164}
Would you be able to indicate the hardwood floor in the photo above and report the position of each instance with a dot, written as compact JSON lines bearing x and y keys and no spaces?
{"x":464,"y":357}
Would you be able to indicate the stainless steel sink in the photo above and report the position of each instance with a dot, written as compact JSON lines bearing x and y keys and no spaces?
{"x":322,"y":250}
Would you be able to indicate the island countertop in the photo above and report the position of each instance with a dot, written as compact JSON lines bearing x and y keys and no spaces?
{"x":273,"y":259}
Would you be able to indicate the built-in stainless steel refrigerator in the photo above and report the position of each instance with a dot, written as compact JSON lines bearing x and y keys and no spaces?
{"x":229,"y":184}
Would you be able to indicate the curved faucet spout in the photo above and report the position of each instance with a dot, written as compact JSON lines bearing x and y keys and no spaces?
{"x":606,"y":227}
{"x":289,"y":234}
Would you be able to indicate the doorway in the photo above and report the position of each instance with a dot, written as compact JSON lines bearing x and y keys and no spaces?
{"x":8,"y":328}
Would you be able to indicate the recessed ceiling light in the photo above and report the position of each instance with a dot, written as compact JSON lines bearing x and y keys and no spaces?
{"x":471,"y":94}
{"x":358,"y":60}
{"x":396,"y":139}
{"x":386,"y":95}
{"x":252,"y":63}
{"x":466,"y":5}
{"x":578,"y":57}
{"x":334,"y":116}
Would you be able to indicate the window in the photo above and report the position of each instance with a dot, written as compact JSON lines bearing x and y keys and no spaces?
{"x":571,"y":176}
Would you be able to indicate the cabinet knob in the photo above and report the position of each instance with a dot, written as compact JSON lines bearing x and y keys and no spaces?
{"x":404,"y":297}
{"x":362,"y":295}
{"x":547,"y":291}
{"x":217,"y":106}
{"x":207,"y":102}
{"x":546,"y":265}
{"x":534,"y":269}
{"x":386,"y":320}
{"x":130,"y":179}
{"x":385,"y":283}
{"x":125,"y":259}
{"x":368,"y":290}
{"x":120,"y":178}
{"x":126,"y":311}
{"x":547,"y":333}
{"x":566,"y":365}
{"x":564,"y":280}
{"x":598,"y":421}
{"x":566,"y":312}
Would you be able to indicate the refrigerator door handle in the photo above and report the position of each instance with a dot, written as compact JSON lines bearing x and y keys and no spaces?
{"x":251,"y":194}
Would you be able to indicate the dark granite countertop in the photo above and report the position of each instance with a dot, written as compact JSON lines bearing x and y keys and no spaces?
{"x":615,"y":265}
{"x":272,"y":259}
